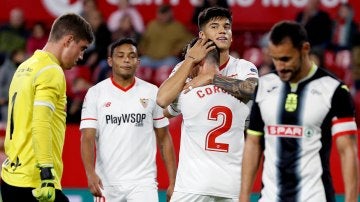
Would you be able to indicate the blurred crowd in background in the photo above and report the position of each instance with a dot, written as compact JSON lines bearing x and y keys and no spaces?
{"x":335,"y":46}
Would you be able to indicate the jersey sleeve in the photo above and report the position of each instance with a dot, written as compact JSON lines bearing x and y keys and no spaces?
{"x":175,"y":69}
{"x":49,"y":83}
{"x":89,"y":110}
{"x":159,"y":119}
{"x":344,"y":113}
{"x":256,"y":125}
{"x":247,"y":70}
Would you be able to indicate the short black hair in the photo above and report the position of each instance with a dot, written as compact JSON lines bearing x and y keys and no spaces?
{"x":288,"y":30}
{"x":213,"y":13}
{"x":121,"y":42}
{"x":164,"y":8}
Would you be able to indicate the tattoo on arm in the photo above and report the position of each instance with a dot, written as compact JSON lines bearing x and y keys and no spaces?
{"x":242,"y":90}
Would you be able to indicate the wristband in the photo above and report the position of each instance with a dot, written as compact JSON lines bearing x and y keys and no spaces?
{"x":46,"y":173}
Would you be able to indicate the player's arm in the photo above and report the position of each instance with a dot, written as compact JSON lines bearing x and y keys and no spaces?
{"x":167,"y":113}
{"x":241,"y":89}
{"x":250,"y":164}
{"x":345,"y":131}
{"x":347,"y":148}
{"x":47,"y":90}
{"x":171,"y":88}
{"x":87,"y":147}
{"x":42,"y":136}
{"x":167,"y":152}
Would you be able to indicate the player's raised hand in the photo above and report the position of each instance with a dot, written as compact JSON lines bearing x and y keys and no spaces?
{"x":198,"y":52}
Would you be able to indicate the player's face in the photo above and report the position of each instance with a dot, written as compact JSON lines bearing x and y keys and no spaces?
{"x":287,"y":60}
{"x":73,"y":52}
{"x":219,"y":31}
{"x":124,"y":61}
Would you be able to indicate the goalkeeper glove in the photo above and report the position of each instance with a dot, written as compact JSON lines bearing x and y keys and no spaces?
{"x":47,"y":190}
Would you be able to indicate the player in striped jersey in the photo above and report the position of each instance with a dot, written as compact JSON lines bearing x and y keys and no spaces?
{"x":298,"y":110}
{"x":37,"y":113}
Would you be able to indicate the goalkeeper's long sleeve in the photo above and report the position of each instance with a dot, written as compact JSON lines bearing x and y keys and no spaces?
{"x":42,"y":135}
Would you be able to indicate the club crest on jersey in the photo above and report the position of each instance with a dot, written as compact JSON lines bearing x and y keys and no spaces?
{"x":144,"y":102}
{"x":285,"y":131}
{"x":291,"y":102}
{"x":107,"y":104}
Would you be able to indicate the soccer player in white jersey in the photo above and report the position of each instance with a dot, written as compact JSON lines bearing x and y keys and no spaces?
{"x":212,"y":138}
{"x":299,"y":110}
{"x":236,"y":76}
{"x":121,"y":117}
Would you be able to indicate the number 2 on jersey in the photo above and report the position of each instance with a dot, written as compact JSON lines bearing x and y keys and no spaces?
{"x":214,"y":114}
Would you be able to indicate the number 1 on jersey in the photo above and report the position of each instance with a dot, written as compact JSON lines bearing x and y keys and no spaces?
{"x":214,"y":114}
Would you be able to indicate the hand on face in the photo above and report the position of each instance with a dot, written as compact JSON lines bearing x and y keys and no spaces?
{"x":200,"y":49}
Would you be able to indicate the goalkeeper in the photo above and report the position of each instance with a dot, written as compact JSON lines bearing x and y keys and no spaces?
{"x":37,"y":112}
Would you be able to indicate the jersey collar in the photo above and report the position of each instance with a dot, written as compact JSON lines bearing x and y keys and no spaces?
{"x":224,"y":65}
{"x":120,"y":87}
{"x":50,"y":55}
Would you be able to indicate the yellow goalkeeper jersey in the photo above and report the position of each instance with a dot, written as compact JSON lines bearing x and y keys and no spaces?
{"x":37,"y":107}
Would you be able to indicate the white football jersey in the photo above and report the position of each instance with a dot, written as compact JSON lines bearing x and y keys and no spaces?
{"x":212,"y":136}
{"x":298,"y":123}
{"x":125,"y":121}
{"x":212,"y":140}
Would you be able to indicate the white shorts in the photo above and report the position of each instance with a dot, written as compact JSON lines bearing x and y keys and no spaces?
{"x":188,"y":197}
{"x":130,"y":192}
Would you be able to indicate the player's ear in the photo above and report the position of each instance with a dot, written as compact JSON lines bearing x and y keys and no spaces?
{"x":109,"y":61}
{"x":201,"y":35}
{"x":306,"y":47}
{"x":68,"y":39}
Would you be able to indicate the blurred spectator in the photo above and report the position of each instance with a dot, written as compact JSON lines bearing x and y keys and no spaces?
{"x":344,"y":28}
{"x":267,"y":64}
{"x":355,"y":65}
{"x":37,"y":39}
{"x":13,"y":35}
{"x":206,"y":4}
{"x":355,"y":75}
{"x":317,"y":58}
{"x":88,"y":7}
{"x":163,"y":40}
{"x":318,"y":24}
{"x":78,"y":81}
{"x":126,"y":30}
{"x":98,"y":50}
{"x":125,"y":8}
{"x":102,"y":70}
{"x":7,"y":70}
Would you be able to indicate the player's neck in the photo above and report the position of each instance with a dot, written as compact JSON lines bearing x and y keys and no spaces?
{"x":124,"y":82}
{"x":224,"y":57}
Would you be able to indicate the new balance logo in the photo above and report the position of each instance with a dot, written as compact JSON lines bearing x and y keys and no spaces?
{"x":271,"y":89}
